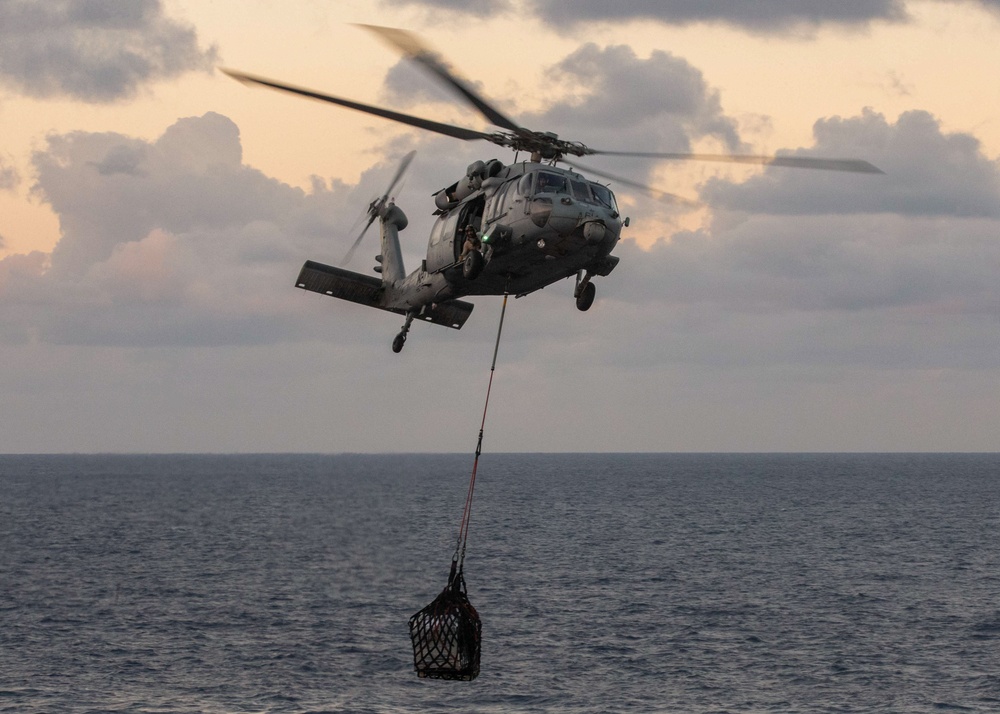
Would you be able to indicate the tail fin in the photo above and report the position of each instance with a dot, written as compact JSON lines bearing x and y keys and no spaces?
{"x":393,"y":220}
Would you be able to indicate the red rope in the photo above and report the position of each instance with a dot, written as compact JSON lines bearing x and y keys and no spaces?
{"x":463,"y":528}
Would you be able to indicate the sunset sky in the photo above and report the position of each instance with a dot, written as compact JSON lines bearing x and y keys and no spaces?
{"x":154,"y":214}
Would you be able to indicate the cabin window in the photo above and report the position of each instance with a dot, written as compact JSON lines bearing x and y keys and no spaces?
{"x":438,"y":231}
{"x":499,"y":199}
{"x":550,"y":183}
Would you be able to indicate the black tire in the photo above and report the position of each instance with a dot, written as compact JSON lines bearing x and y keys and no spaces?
{"x":586,"y":297}
{"x":473,"y":265}
{"x":397,"y":343}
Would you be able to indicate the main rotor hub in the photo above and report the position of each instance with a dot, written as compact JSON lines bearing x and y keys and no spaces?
{"x":544,"y":144}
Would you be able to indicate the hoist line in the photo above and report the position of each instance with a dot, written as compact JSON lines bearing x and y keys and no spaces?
{"x":458,"y":559}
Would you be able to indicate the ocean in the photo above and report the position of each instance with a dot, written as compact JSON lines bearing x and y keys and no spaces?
{"x":605,"y":583}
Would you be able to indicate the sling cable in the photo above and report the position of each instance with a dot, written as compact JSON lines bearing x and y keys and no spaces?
{"x":447,"y":634}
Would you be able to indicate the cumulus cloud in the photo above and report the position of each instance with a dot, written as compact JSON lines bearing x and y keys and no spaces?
{"x":993,"y":5}
{"x":770,"y":16}
{"x":825,"y":263}
{"x":173,"y":241}
{"x":763,"y":17}
{"x":665,"y":99}
{"x":9,"y":177}
{"x":448,"y":9}
{"x":93,"y":50}
{"x":766,"y":18}
{"x":928,"y":172}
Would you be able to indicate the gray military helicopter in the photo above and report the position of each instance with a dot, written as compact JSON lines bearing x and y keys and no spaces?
{"x":534,"y":222}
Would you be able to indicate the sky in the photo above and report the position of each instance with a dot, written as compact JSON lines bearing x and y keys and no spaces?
{"x":154,"y":214}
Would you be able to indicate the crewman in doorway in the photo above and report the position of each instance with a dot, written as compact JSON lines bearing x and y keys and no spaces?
{"x":472,"y":242}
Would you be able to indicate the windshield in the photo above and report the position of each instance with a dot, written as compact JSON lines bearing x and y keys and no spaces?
{"x":581,"y":191}
{"x":604,"y":196}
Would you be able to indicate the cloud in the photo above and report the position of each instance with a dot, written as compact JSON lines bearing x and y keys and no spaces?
{"x":173,"y":241}
{"x":9,"y":177}
{"x":769,"y":16}
{"x":438,"y":9}
{"x":765,"y":18}
{"x":662,"y":101}
{"x":825,"y":263}
{"x":93,"y":50}
{"x":772,"y":16}
{"x":992,"y":5}
{"x":928,"y":172}
{"x":802,"y":294}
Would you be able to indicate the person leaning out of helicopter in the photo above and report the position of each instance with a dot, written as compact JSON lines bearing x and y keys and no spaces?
{"x":471,"y":242}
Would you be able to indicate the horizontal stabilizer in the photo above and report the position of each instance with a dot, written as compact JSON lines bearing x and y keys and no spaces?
{"x":340,"y":283}
{"x":368,"y":290}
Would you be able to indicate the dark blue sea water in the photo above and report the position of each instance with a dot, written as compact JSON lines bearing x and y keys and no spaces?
{"x":606,"y":583}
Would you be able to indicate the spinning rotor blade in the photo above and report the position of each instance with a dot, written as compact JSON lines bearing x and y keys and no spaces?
{"x":654,"y":192}
{"x":797,"y":162}
{"x":403,"y":165}
{"x":456,"y":132}
{"x":357,"y":241}
{"x":377,"y":205}
{"x":411,"y":46}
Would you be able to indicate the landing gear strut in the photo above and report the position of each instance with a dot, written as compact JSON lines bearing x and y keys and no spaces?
{"x":400,"y":339}
{"x":585,"y":291}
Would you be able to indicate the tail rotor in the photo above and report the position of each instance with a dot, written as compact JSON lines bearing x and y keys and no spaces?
{"x":376,"y":207}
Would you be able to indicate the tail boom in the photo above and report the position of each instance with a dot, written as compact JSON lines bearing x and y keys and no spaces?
{"x":369,"y":290}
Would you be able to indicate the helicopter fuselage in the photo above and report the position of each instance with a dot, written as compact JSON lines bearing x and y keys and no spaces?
{"x":538,"y":224}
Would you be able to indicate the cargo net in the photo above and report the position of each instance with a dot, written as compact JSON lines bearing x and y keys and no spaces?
{"x":447,"y":635}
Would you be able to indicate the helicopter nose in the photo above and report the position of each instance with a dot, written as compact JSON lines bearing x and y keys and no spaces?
{"x":594,"y":232}
{"x":541,"y":210}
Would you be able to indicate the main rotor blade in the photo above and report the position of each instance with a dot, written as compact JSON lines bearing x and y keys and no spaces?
{"x":437,"y":127}
{"x":411,"y":46}
{"x":797,"y":162}
{"x":654,"y":192}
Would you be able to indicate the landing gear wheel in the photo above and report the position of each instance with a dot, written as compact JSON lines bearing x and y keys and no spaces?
{"x":400,"y":339}
{"x":586,"y":297}
{"x":472,"y":266}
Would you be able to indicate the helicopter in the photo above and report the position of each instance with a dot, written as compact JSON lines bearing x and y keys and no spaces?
{"x":500,"y":228}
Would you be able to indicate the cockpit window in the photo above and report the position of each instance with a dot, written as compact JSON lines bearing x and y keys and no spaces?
{"x":550,"y":183}
{"x":581,"y":191}
{"x":604,"y":196}
{"x":524,"y":185}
